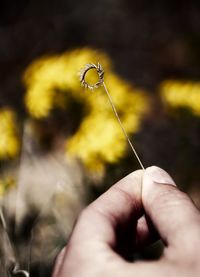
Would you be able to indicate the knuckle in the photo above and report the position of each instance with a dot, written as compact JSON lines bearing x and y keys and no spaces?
{"x":122,"y":195}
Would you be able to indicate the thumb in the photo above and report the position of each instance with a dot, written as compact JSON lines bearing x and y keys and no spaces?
{"x":172,"y":212}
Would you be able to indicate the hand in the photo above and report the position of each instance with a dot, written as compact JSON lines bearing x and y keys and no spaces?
{"x":122,"y":214}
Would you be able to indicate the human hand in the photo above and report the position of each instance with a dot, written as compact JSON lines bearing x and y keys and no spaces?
{"x":120,"y":216}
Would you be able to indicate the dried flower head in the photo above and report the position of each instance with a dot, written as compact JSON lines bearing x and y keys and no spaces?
{"x":84,"y":71}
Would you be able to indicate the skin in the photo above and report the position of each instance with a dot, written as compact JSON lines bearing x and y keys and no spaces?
{"x":134,"y":212}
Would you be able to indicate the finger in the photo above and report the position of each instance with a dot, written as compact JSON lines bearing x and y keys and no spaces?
{"x":59,"y":262}
{"x":95,"y":232}
{"x":114,"y":207}
{"x":145,"y":233}
{"x":94,"y":236}
{"x":171,"y":211}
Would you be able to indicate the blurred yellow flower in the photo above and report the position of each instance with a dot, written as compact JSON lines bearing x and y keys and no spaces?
{"x":182,"y":94}
{"x":9,"y":138}
{"x":47,"y":77}
{"x":98,"y":139}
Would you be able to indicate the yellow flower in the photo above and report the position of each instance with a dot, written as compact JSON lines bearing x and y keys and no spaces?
{"x":49,"y":76}
{"x":9,"y":138}
{"x":99,"y":138}
{"x":182,"y":94}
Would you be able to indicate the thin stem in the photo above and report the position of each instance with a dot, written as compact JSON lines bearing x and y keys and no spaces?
{"x":121,"y":125}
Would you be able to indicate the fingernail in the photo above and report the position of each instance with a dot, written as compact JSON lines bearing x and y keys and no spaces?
{"x":158,"y":175}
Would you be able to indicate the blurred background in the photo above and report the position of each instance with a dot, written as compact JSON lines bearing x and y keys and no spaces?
{"x":60,"y":144}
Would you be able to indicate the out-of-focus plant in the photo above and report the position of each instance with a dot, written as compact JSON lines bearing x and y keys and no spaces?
{"x":52,"y":81}
{"x":46,"y":77}
{"x":6,"y":183}
{"x":9,"y":136}
{"x":182,"y":94}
